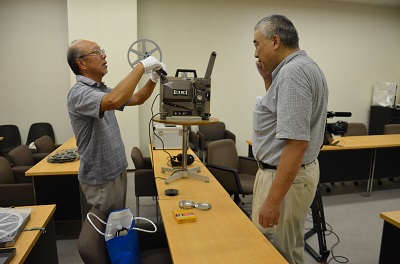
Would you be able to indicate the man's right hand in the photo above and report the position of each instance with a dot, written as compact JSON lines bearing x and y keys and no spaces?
{"x":151,"y":63}
{"x":154,"y":75}
{"x":266,"y":75}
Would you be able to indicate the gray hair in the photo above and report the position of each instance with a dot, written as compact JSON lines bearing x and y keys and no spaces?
{"x":281,"y":26}
{"x":73,"y":54}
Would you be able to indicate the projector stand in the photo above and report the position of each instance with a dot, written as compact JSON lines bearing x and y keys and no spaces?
{"x":184,"y":172}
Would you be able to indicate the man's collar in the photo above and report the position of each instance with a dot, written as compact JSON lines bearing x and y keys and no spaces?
{"x":88,"y":81}
{"x":286,"y":60}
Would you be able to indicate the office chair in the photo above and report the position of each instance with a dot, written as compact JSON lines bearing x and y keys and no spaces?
{"x":91,"y":245}
{"x":391,"y":129}
{"x":145,"y":184}
{"x":235,"y":173}
{"x":12,"y":138}
{"x":22,"y":156}
{"x":356,"y":129}
{"x":36,"y":130}
{"x":93,"y":250}
{"x":139,"y":161}
{"x":210,"y":133}
{"x":44,"y":146}
{"x":193,"y":141}
{"x":15,"y":188}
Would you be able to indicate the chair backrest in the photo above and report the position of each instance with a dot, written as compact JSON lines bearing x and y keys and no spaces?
{"x":37,"y":130}
{"x":22,"y":156}
{"x":214,"y":131}
{"x":356,"y":129}
{"x":6,"y":174}
{"x":145,"y":184}
{"x":12,"y":137}
{"x":138,"y":159}
{"x":391,"y":129}
{"x":91,"y":245}
{"x":44,"y":144}
{"x":223,"y":153}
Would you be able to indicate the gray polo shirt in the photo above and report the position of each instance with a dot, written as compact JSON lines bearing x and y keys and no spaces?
{"x":100,"y":146}
{"x":294,"y":107}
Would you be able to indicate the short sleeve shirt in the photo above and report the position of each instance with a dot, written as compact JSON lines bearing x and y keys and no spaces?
{"x":98,"y":138}
{"x":294,"y":107}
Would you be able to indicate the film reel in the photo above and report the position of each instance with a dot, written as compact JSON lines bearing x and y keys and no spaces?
{"x":9,"y":223}
{"x":141,"y":49}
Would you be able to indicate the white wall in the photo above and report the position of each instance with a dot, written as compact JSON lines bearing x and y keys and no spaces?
{"x":113,"y":25}
{"x":34,"y":71}
{"x":356,"y":46}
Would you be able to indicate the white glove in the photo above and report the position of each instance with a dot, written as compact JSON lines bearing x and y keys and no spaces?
{"x":151,"y":63}
{"x":154,"y":75}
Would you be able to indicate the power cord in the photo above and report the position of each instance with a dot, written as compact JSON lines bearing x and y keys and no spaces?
{"x":151,"y":122}
{"x":336,"y":258}
{"x":329,"y":231}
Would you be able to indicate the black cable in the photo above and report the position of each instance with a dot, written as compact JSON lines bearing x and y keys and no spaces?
{"x":151,"y":122}
{"x":162,"y":142}
{"x":328,"y":232}
{"x":336,"y":258}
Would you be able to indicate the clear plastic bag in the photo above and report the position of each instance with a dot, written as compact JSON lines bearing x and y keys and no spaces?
{"x":384,"y":94}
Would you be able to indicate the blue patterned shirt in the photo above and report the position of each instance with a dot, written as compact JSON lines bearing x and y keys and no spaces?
{"x":100,"y":146}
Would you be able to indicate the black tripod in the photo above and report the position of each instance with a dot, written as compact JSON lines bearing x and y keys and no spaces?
{"x":319,"y":227}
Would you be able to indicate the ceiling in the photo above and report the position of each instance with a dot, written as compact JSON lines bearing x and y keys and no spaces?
{"x":373,"y":2}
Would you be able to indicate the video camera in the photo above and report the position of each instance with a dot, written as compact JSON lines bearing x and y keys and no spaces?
{"x":186,"y":97}
{"x":337,"y":128}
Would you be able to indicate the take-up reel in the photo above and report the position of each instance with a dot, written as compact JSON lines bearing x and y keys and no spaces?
{"x":141,"y":49}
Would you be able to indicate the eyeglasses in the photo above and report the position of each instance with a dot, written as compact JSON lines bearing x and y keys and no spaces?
{"x":96,"y":52}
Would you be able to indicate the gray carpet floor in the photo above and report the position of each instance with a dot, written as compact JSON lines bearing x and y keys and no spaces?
{"x":353,"y":218}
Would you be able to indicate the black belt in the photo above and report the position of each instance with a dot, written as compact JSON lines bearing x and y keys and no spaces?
{"x":265,"y":166}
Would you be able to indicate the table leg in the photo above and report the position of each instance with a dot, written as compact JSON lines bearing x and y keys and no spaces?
{"x":390,"y":243}
{"x":45,"y":248}
{"x":184,"y":172}
{"x":371,"y":174}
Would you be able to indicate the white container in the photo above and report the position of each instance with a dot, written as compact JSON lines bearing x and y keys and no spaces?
{"x":170,"y":135}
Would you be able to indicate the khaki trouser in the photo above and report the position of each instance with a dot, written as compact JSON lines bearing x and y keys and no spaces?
{"x":288,"y":236}
{"x":107,"y":197}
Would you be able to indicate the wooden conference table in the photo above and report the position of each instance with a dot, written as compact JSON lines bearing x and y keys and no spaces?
{"x":223,"y":234}
{"x":390,"y":243}
{"x":359,"y":158}
{"x":35,"y":246}
{"x":57,"y":183}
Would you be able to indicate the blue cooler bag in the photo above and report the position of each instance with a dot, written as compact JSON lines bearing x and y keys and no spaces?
{"x":121,"y":237}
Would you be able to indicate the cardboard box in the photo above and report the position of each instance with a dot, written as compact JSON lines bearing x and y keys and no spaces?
{"x":184,"y":216}
{"x":170,"y":135}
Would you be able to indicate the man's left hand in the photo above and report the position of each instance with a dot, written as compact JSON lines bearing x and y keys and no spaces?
{"x":269,"y":214}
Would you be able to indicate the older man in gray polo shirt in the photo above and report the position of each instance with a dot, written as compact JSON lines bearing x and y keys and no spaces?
{"x":91,"y":105}
{"x":289,"y":123}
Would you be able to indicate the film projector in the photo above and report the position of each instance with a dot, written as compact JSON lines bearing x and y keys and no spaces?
{"x":181,"y":97}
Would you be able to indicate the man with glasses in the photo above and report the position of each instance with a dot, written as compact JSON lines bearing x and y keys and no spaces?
{"x":288,"y":131}
{"x":91,"y":107}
